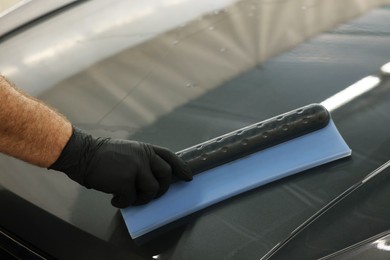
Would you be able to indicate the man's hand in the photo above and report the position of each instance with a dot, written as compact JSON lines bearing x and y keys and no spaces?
{"x":134,"y":172}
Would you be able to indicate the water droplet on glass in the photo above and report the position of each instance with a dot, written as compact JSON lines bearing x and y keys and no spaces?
{"x":190,"y":85}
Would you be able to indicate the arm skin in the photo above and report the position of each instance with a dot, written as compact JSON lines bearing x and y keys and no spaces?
{"x":29,"y":129}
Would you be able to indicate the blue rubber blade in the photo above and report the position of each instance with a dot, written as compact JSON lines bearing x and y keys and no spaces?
{"x":225,"y":181}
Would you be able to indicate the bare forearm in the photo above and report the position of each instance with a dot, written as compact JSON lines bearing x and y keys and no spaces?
{"x":30,"y":130}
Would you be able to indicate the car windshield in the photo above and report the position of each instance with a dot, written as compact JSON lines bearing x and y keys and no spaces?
{"x":176,"y":73}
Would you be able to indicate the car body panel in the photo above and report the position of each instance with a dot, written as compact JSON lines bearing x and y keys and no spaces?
{"x":192,"y":82}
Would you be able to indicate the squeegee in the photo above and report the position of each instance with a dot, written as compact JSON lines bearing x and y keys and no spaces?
{"x":243,"y":160}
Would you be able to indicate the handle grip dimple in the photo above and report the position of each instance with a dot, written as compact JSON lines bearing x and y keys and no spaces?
{"x":254,"y":138}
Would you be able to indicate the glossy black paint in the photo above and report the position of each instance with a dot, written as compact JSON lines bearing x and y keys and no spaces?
{"x":249,"y":225}
{"x":376,"y":247}
{"x":50,"y":237}
{"x":357,"y":215}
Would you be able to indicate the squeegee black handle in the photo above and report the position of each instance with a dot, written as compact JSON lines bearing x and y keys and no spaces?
{"x":254,"y":138}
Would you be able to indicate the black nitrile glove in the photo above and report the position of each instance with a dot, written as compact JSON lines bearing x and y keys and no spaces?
{"x":134,"y":172}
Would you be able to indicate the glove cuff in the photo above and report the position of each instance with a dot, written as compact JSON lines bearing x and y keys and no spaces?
{"x":73,"y":158}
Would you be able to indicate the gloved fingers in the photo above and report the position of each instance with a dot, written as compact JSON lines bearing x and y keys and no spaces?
{"x":162,"y":172}
{"x":124,"y":200}
{"x":147,"y":186}
{"x":179,"y":168}
{"x":120,"y":201}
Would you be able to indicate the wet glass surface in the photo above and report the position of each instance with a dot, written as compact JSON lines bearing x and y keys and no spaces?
{"x":152,"y":75}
